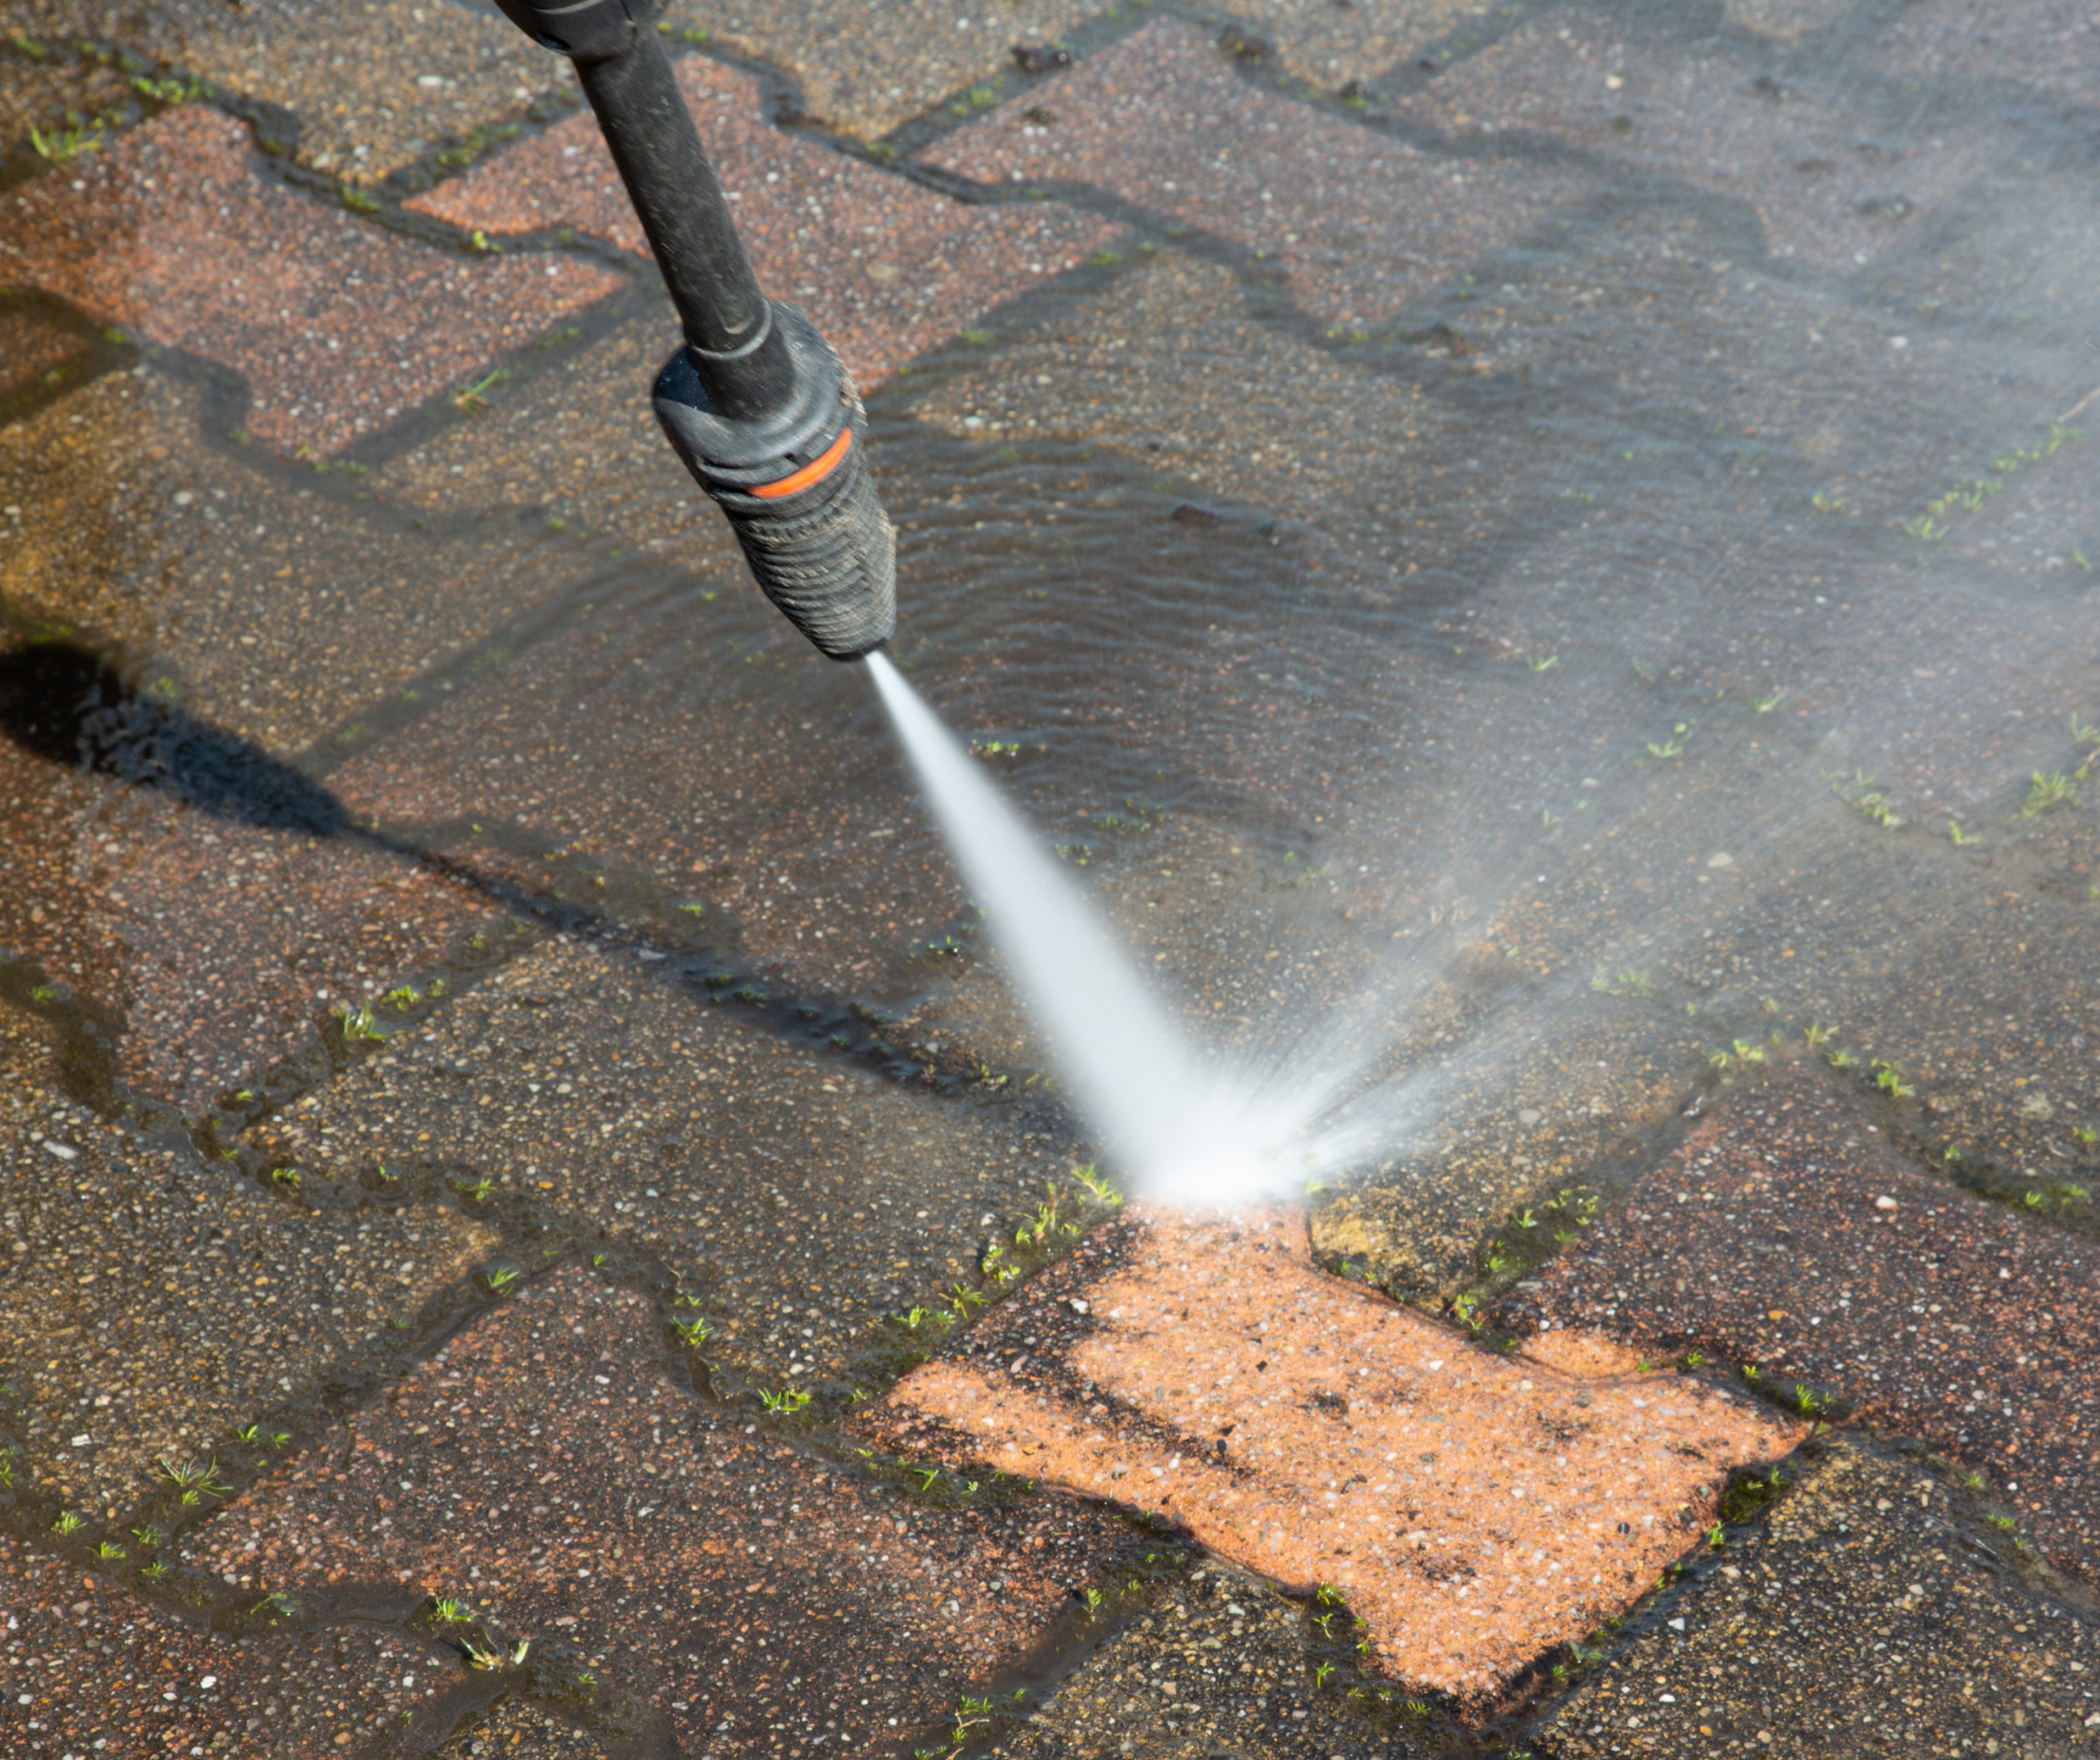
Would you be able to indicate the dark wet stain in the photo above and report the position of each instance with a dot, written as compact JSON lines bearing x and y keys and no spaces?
{"x":73,"y":706}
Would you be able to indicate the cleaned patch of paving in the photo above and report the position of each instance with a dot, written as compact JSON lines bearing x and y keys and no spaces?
{"x":884,"y":266}
{"x":728,"y":1591}
{"x":1789,"y":1235}
{"x":1219,"y":1665}
{"x":797,"y":1196}
{"x":1359,"y":224}
{"x":1476,"y":1510}
{"x":149,"y":1307}
{"x":1872,"y":1611}
{"x":89,"y":1668}
{"x":338,"y":326}
{"x":866,"y":69}
{"x":1833,"y":172}
{"x":361,"y":92}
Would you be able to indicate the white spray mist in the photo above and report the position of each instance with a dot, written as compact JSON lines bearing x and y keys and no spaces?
{"x":1189,"y":1129}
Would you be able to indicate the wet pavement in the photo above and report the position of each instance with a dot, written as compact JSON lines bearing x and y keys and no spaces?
{"x":1547,"y":547}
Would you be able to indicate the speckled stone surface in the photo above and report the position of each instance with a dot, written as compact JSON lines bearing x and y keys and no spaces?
{"x":2053,"y":46}
{"x":1873,"y":1612}
{"x":149,"y":1307}
{"x":1476,"y":1510}
{"x":31,"y":346}
{"x":1217,"y":1666}
{"x":338,"y":326}
{"x":796,"y":1249}
{"x":1821,"y":1257}
{"x":1359,"y":223}
{"x":884,"y":266}
{"x":357,"y":92}
{"x":866,"y":69}
{"x":729,"y":1588}
{"x":89,"y":1668}
{"x":1830,"y":171}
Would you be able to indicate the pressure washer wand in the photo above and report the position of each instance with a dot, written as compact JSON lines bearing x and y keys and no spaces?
{"x":756,"y":403}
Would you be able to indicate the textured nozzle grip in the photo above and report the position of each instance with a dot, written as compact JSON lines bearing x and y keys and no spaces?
{"x":796,"y":486}
{"x":829,"y":566}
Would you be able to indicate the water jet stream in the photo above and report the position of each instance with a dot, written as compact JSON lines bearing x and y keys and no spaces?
{"x":1186,"y":1127}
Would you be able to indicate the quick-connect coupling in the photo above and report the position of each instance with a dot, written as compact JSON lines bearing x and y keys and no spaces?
{"x":796,"y":486}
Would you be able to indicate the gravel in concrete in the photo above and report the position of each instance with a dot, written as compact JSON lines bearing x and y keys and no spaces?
{"x":338,"y":326}
{"x":88,"y":1669}
{"x":150,"y":1307}
{"x":885,"y":267}
{"x":1788,"y":1234}
{"x":1359,"y":223}
{"x":1476,"y":1511}
{"x":799,"y":1198}
{"x":1872,"y":1612}
{"x":682,"y":1575}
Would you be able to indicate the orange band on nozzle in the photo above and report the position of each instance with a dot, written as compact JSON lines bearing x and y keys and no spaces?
{"x":814,"y":472}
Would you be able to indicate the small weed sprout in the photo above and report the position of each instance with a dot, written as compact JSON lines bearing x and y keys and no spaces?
{"x":1097,"y":1188}
{"x":68,"y":1523}
{"x":1888,"y":1078}
{"x":470,"y":398}
{"x":501,"y":1280}
{"x":785,"y":1403}
{"x":1958,"y":837}
{"x":1818,"y":1035}
{"x":1769,"y":701}
{"x":357,"y":1023}
{"x":1622,"y":980}
{"x":2047,"y":789}
{"x":450,"y":1612}
{"x":1545,"y":665}
{"x":693,"y":1328}
{"x":1094,"y":1601}
{"x":2086,"y":1139}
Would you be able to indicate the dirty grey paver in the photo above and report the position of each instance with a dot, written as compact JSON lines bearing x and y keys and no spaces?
{"x":149,"y":1307}
{"x":1820,"y":1255}
{"x":1217,"y":1666}
{"x":1872,"y":1612}
{"x":1358,"y":222}
{"x":722,"y":1587}
{"x":1958,"y":45}
{"x":802,"y":1197}
{"x":866,"y":69}
{"x":89,"y":1667}
{"x":369,"y":87}
{"x":1830,"y":166}
{"x":883,"y":267}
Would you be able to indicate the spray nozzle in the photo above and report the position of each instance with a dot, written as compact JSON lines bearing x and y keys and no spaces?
{"x":796,"y":486}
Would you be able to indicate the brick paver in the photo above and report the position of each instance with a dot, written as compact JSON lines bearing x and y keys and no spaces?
{"x":89,"y":1668}
{"x":1789,"y":1235}
{"x":885,"y":267}
{"x":1828,"y":193}
{"x":1476,"y":1510}
{"x":1358,"y":222}
{"x":740,"y":1594}
{"x":338,"y":326}
{"x":30,"y":347}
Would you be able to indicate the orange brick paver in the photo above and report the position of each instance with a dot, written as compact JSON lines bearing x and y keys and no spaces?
{"x":1477,"y":1509}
